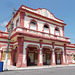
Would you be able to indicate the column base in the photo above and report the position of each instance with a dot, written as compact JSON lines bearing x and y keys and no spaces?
{"x":53,"y":64}
{"x":21,"y":65}
{"x":40,"y":64}
{"x":24,"y":65}
{"x":11,"y":63}
{"x":64,"y":64}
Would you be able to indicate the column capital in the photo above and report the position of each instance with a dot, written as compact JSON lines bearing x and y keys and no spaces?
{"x":64,"y":44}
{"x":53,"y":42}
{"x":20,"y":40}
{"x":40,"y":40}
{"x":40,"y":48}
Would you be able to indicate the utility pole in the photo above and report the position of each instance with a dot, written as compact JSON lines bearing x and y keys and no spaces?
{"x":7,"y":50}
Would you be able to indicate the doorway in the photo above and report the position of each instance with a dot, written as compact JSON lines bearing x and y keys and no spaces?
{"x":32,"y":56}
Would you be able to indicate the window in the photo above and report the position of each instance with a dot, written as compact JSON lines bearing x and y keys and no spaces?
{"x":56,"y":31}
{"x":46,"y":28}
{"x":33,"y":25}
{"x":17,"y":22}
{"x":8,"y":29}
{"x":12,"y":26}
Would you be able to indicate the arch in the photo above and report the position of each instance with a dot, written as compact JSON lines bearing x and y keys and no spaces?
{"x":73,"y":58}
{"x":58,"y":49}
{"x":31,"y":45}
{"x":46,"y":28}
{"x":56,"y":31}
{"x":35,"y":23}
{"x":47,"y":47}
{"x":47,"y":52}
{"x":14,"y":56}
{"x":58,"y":55}
{"x":17,"y":22}
{"x":32,"y":55}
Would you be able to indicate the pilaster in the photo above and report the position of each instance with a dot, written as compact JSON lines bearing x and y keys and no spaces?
{"x":20,"y":51}
{"x":40,"y":55}
{"x":22,"y":15}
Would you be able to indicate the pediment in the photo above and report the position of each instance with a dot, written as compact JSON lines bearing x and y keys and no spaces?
{"x":48,"y":14}
{"x":43,"y":12}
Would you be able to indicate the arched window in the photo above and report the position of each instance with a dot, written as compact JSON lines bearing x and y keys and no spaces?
{"x":33,"y":25}
{"x":73,"y":55}
{"x":17,"y":22}
{"x":46,"y":28}
{"x":56,"y":31}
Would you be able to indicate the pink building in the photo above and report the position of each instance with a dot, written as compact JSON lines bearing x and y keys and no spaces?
{"x":37,"y":39}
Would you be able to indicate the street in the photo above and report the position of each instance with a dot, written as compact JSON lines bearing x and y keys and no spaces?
{"x":48,"y":71}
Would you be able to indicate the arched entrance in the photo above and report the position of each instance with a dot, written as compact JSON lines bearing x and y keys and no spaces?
{"x":15,"y":54}
{"x":46,"y":56}
{"x":32,"y":55}
{"x":58,"y":56}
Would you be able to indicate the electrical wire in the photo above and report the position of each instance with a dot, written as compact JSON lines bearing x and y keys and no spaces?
{"x":5,"y":19}
{"x":11,"y":16}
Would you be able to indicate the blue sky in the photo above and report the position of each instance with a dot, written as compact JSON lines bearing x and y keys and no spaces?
{"x":62,"y":9}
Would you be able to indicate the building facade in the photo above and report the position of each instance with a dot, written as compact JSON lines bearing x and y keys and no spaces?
{"x":37,"y":39}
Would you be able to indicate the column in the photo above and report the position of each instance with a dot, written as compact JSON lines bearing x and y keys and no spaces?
{"x":65,"y":56}
{"x":11,"y":61}
{"x":62,"y":58}
{"x":24,"y":56}
{"x":40,"y":55}
{"x":53,"y":58}
{"x":20,"y":51}
{"x":53,"y":55}
{"x":0,"y":55}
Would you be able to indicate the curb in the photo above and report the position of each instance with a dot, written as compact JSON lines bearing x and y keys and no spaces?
{"x":33,"y":68}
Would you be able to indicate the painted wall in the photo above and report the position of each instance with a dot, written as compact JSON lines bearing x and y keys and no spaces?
{"x":40,"y":25}
{"x":17,"y":17}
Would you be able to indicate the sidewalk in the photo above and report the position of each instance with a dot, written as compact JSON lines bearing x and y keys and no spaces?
{"x":12,"y":68}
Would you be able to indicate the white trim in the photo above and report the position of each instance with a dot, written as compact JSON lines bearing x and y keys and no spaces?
{"x":24,"y":51}
{"x":63,"y":57}
{"x":16,"y":43}
{"x":53,"y":57}
{"x":40,"y":55}
{"x":46,"y":45}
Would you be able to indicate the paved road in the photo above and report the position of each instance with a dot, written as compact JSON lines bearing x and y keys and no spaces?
{"x":48,"y":71}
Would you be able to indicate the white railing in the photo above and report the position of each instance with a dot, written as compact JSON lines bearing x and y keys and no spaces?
{"x":21,"y":29}
{"x":4,"y":33}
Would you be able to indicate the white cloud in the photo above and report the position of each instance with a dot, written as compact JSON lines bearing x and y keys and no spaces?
{"x":4,"y":24}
